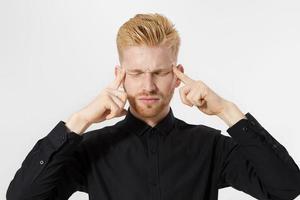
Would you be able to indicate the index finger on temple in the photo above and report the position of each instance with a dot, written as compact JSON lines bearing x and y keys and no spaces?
{"x":119,"y":78}
{"x":184,"y":78}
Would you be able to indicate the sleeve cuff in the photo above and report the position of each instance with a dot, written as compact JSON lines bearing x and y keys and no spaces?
{"x":246,"y":131}
{"x":61,"y":134}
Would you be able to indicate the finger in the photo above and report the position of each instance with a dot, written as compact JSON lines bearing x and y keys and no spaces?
{"x":122,"y":95}
{"x":190,"y":98}
{"x":202,"y":102}
{"x":194,"y":97}
{"x":116,"y":114}
{"x":199,"y":100}
{"x":113,"y":107}
{"x":184,"y":78}
{"x":119,"y":78}
{"x":118,"y":101}
{"x":118,"y":107}
{"x":183,"y":92}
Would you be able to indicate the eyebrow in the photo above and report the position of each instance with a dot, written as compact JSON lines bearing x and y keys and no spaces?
{"x":157,"y":70}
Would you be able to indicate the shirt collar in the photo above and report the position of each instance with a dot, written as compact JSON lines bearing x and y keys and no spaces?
{"x":139,"y":127}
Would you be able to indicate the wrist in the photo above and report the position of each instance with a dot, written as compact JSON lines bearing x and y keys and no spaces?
{"x":77,"y":123}
{"x":231,"y":114}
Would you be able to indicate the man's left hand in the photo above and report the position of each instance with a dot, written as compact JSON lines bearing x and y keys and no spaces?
{"x":197,"y":93}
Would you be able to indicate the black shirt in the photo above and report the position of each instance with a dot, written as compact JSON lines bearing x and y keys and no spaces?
{"x":174,"y":160}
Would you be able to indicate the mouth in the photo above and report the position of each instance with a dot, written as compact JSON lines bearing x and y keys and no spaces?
{"x":149,"y":100}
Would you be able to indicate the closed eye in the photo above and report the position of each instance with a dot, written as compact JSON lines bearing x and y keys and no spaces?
{"x":161,"y":73}
{"x":155,"y":73}
{"x":134,"y":74}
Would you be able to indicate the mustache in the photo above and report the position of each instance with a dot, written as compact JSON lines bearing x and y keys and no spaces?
{"x":148,"y":94}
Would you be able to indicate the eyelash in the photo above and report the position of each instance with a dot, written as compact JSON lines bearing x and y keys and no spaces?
{"x":155,"y":73}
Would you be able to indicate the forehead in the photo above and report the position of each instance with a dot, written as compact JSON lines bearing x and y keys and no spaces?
{"x":144,"y":57}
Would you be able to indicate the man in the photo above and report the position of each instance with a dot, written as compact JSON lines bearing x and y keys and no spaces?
{"x":151,"y":154}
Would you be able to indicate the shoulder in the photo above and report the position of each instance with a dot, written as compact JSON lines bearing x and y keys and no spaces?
{"x":199,"y":129}
{"x":105,"y":136}
{"x":201,"y":133}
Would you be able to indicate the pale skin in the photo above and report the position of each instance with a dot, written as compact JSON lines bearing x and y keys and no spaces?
{"x":111,"y":100}
{"x":197,"y":93}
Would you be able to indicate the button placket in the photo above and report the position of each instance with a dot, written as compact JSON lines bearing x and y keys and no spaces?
{"x":153,"y":142}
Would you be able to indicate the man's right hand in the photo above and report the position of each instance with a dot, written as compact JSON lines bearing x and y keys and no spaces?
{"x":107,"y":105}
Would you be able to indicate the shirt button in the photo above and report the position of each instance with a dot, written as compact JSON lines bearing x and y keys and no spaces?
{"x":41,"y":162}
{"x":245,"y":129}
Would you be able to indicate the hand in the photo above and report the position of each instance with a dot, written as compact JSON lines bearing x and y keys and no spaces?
{"x":196,"y":93}
{"x":109,"y":103}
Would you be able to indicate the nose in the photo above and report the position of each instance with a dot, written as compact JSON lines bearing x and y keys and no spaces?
{"x":149,"y":84}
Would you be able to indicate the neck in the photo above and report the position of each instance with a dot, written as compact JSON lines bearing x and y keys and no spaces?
{"x":153,"y":120}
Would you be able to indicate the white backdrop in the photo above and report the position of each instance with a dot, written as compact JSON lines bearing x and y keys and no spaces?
{"x":55,"y":56}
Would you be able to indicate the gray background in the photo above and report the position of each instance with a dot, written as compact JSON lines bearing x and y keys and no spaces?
{"x":56,"y":55}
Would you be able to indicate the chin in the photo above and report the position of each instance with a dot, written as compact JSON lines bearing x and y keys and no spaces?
{"x":148,"y":111}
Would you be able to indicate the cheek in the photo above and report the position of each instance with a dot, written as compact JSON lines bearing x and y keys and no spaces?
{"x":168,"y":85}
{"x":129,"y":86}
{"x":172,"y":82}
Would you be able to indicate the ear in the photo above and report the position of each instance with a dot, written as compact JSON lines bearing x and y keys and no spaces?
{"x":178,"y":81}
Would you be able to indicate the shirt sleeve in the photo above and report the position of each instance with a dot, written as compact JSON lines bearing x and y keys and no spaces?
{"x":53,"y":169}
{"x":255,"y":163}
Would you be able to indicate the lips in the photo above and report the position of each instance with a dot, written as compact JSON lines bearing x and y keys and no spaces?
{"x":148,"y":98}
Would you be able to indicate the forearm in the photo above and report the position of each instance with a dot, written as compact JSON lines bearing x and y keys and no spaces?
{"x":77,"y":123}
{"x":261,"y":162}
{"x":42,"y":166}
{"x":231,"y":114}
